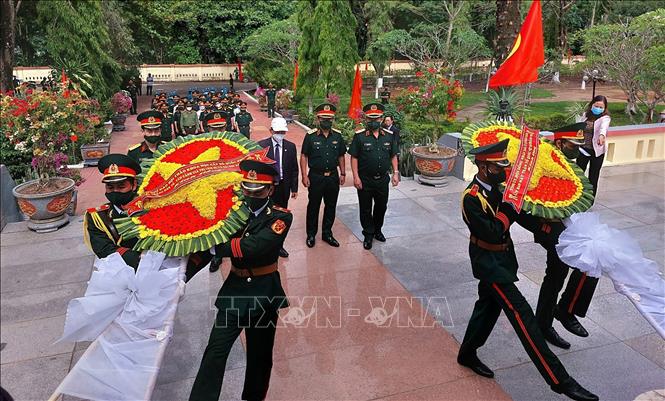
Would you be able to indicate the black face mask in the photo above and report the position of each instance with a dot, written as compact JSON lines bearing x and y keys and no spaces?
{"x":255,"y":204}
{"x":120,"y":199}
{"x":373,"y":125}
{"x":325,"y":124}
{"x":571,"y":154}
{"x":496,"y":178}
{"x":152,"y":139}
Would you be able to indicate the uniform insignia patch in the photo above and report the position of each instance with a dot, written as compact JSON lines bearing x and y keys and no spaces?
{"x":151,"y":119}
{"x":334,"y":142}
{"x":373,"y":107}
{"x":216,"y":116}
{"x":251,"y":174}
{"x":278,"y":227}
{"x":386,"y":143}
{"x":326,"y":108}
{"x":474,"y":190}
{"x":113,"y":169}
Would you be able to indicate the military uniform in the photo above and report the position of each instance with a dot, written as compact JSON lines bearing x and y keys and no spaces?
{"x":215,"y":121}
{"x":151,"y":120}
{"x":166,"y":129}
{"x":374,"y":155}
{"x":494,"y":264}
{"x":323,"y":153}
{"x":139,"y":151}
{"x":250,"y":297}
{"x":271,"y":94}
{"x":131,"y":88}
{"x":385,"y":96}
{"x":243,"y":119}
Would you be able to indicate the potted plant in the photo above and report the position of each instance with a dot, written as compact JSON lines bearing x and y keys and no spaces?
{"x":45,"y":126}
{"x":435,"y":100}
{"x":121,"y":103}
{"x":260,"y":95}
{"x":283,"y":102}
{"x":95,"y":139}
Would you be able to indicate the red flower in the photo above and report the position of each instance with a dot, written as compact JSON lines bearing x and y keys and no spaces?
{"x":74,"y":137}
{"x":419,"y":74}
{"x":431,"y":70}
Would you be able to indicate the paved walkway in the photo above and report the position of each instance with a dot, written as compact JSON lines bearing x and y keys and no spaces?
{"x":344,"y":347}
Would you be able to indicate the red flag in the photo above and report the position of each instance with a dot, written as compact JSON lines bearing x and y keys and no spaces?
{"x":356,"y":105}
{"x":65,"y":87}
{"x":295,"y":77}
{"x":240,"y":77}
{"x":527,"y":54}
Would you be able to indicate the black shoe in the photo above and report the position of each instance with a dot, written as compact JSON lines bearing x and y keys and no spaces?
{"x":214,"y":264}
{"x":331,"y":241}
{"x":570,"y":323}
{"x":573,"y":390}
{"x":283,"y":253}
{"x":310,"y":241}
{"x":554,"y":338}
{"x":367,"y":243}
{"x":380,"y":237}
{"x":473,"y":363}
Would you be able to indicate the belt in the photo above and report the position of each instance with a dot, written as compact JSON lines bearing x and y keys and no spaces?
{"x":490,"y":247}
{"x":325,"y":173}
{"x":257,"y":271}
{"x":379,"y":176}
{"x":242,"y":126}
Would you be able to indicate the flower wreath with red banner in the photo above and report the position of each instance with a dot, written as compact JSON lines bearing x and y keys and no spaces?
{"x":190,"y":198}
{"x":557,"y":188}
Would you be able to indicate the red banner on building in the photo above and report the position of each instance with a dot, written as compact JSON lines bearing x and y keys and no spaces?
{"x":522,"y":170}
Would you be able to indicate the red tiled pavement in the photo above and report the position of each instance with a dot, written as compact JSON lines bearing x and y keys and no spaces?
{"x":335,"y":354}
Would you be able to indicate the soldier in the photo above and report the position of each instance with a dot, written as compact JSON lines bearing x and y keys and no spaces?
{"x":188,"y":120}
{"x":271,"y":94}
{"x":494,"y":264}
{"x":580,"y":289}
{"x":243,"y":120}
{"x":131,"y":88}
{"x":385,"y":95}
{"x":167,"y":126}
{"x":373,"y":153}
{"x":151,"y":123}
{"x":101,"y":236}
{"x":252,"y":294}
{"x":323,"y":152}
{"x":216,"y":121}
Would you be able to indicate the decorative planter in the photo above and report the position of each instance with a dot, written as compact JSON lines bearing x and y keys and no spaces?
{"x":118,"y":121}
{"x":47,"y":211}
{"x":108,"y":126}
{"x":91,"y":153}
{"x":434,"y":167}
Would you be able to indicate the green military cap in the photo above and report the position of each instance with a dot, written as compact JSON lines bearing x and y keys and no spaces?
{"x":150,"y":119}
{"x":117,"y":167}
{"x":573,"y":133}
{"x":257,"y":174}
{"x":493,"y":153}
{"x":374,"y":110}
{"x":325,"y":110}
{"x":216,"y":119}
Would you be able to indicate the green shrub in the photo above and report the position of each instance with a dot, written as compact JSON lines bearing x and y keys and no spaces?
{"x":548,"y":122}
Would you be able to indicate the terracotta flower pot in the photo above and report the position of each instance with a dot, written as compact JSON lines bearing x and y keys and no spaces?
{"x":434,"y":167}
{"x":47,"y":209}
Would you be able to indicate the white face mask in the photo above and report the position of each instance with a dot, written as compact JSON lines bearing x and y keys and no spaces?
{"x":189,"y":109}
{"x":278,"y":137}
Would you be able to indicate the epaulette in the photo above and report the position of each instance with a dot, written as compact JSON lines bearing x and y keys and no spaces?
{"x":335,"y":130}
{"x":474,"y":190}
{"x":313,"y":131}
{"x":360,"y":131}
{"x":134,"y":146}
{"x":99,"y":208}
{"x":281,"y":209}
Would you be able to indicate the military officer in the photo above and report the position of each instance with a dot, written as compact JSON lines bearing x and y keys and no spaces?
{"x":166,"y":126}
{"x":385,"y":95}
{"x":101,"y":236}
{"x":323,"y":151}
{"x":243,"y":120}
{"x":216,"y":121}
{"x":151,"y":123}
{"x":495,"y":266}
{"x":373,"y":153}
{"x":133,"y":91}
{"x":252,"y":294}
{"x":271,"y":94}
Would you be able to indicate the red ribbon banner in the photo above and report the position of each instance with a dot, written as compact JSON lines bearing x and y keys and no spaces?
{"x":522,"y":170}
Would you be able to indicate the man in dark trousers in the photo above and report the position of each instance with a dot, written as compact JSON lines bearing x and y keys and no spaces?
{"x":323,"y":151}
{"x":373,"y":154}
{"x":283,"y":152}
{"x":271,"y":95}
{"x":579,"y":291}
{"x":494,"y":264}
{"x":133,"y":91}
{"x":252,"y":294}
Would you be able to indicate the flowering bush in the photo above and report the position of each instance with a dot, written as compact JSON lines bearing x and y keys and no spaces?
{"x":46,"y":126}
{"x":435,"y":99}
{"x":121,"y":102}
{"x":333,"y":98}
{"x":284,"y":99}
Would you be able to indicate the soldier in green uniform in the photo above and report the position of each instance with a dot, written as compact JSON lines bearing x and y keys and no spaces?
{"x":243,"y":120}
{"x":580,"y":288}
{"x":252,"y":294}
{"x":131,"y":88}
{"x":120,"y":173}
{"x":373,"y":153}
{"x":216,"y":121}
{"x":494,"y":264}
{"x":151,"y":122}
{"x":323,"y":151}
{"x":167,"y":126}
{"x":271,"y":94}
{"x":188,"y":120}
{"x":385,"y":95}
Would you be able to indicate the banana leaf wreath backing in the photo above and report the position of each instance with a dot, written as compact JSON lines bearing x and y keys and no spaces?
{"x":200,"y":215}
{"x":557,"y":188}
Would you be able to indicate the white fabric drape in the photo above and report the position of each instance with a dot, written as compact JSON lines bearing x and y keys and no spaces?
{"x":130,"y":318}
{"x":596,"y":248}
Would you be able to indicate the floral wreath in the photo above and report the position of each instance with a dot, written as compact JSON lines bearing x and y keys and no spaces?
{"x":205,"y":211}
{"x":557,"y":188}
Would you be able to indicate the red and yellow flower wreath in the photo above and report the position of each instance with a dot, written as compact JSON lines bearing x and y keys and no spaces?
{"x":557,"y":188}
{"x":199,"y":215}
